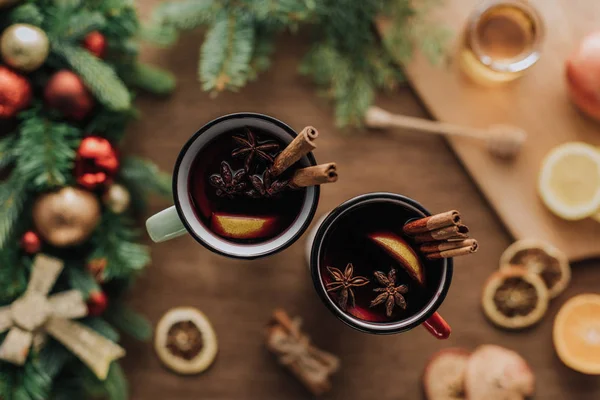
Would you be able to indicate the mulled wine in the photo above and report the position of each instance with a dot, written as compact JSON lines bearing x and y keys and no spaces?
{"x":234,"y":194}
{"x":371,"y":270}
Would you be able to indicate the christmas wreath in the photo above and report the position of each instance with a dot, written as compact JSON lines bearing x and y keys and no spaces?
{"x":68,"y":198}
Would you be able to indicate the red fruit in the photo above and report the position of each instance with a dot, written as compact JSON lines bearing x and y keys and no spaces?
{"x":444,"y":375}
{"x":95,"y":43}
{"x":97,"y":303}
{"x":96,"y":162}
{"x":243,"y":226}
{"x":66,"y":92}
{"x":15,"y":93}
{"x":30,"y":242}
{"x":400,"y":251}
{"x":583,"y":75}
{"x":366,"y":314}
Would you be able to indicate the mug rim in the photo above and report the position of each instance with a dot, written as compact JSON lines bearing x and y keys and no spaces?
{"x":182,"y":215}
{"x":357,"y":323}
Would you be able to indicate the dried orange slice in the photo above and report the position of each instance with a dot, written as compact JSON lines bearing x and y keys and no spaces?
{"x":541,"y":258}
{"x":444,"y":375}
{"x":185,"y":341}
{"x":514,"y":298}
{"x":577,"y":333}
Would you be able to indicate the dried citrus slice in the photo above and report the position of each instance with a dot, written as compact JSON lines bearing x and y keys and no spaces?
{"x":496,"y":373}
{"x":514,"y":298}
{"x":444,"y":375}
{"x":569,"y":181}
{"x":185,"y":341}
{"x":577,"y":333}
{"x":541,"y":258}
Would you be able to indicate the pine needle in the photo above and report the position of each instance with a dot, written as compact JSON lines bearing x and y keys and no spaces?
{"x":226,"y":53}
{"x":98,"y":76}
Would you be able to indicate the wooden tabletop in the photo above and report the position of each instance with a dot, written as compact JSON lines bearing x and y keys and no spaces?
{"x":239,"y":296}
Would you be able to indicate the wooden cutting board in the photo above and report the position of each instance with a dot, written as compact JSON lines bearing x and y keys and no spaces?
{"x":537,"y":102}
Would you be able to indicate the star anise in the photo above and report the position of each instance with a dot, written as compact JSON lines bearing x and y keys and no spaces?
{"x":251,"y":148}
{"x":264,"y":186}
{"x":228,"y":183}
{"x":391,"y":294}
{"x":344,"y":282}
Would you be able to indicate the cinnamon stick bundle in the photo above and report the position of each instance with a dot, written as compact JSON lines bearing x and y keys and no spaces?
{"x":315,"y":175}
{"x":433,"y":222}
{"x":435,"y":251}
{"x":453,"y":232}
{"x":312,"y":366}
{"x":298,"y":148}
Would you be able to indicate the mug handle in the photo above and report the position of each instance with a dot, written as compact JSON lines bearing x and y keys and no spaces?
{"x":165,"y":225}
{"x":437,"y":326}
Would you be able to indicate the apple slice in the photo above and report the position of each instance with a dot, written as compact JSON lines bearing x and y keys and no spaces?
{"x":243,"y":226}
{"x":400,"y":251}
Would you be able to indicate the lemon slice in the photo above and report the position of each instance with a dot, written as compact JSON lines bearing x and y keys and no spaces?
{"x":569,"y":182}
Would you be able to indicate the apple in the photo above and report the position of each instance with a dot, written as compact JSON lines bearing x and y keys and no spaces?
{"x":583,"y":75}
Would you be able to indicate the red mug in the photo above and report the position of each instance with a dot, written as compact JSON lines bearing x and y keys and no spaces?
{"x":427,"y":316}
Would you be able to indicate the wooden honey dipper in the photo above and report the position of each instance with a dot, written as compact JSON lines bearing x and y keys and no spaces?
{"x":504,"y":141}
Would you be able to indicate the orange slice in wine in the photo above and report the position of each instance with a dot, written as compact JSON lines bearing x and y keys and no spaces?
{"x":400,"y":251}
{"x":243,"y":226}
{"x":577,"y":333}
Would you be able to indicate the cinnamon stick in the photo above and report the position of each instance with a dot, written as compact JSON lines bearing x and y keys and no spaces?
{"x":460,"y":251}
{"x":310,"y":365}
{"x":298,"y":148}
{"x":436,"y":247}
{"x":459,"y":231}
{"x":313,"y":176}
{"x":432,"y":222}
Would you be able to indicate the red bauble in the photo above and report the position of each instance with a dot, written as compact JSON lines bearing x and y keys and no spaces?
{"x":95,"y":42}
{"x":15,"y":93}
{"x":96,"y":162}
{"x":30,"y":242}
{"x":66,"y":92}
{"x":97,"y":303}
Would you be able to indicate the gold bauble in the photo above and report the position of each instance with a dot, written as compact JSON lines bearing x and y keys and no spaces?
{"x":66,"y":217}
{"x":24,"y":47}
{"x":116,"y":198}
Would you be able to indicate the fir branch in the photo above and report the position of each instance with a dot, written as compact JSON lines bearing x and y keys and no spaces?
{"x":102,"y":327}
{"x":152,"y":79}
{"x":13,"y":275}
{"x":116,"y":383}
{"x":82,"y":23}
{"x":126,"y":320}
{"x":226,"y":53}
{"x":98,"y":76}
{"x":82,"y":280}
{"x":114,"y":239}
{"x":110,"y":124}
{"x":7,"y":150}
{"x":143,"y":178}
{"x":53,"y":357}
{"x":12,"y":198}
{"x":185,"y":15}
{"x":261,"y":56}
{"x":45,"y":151}
{"x":26,"y":14}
